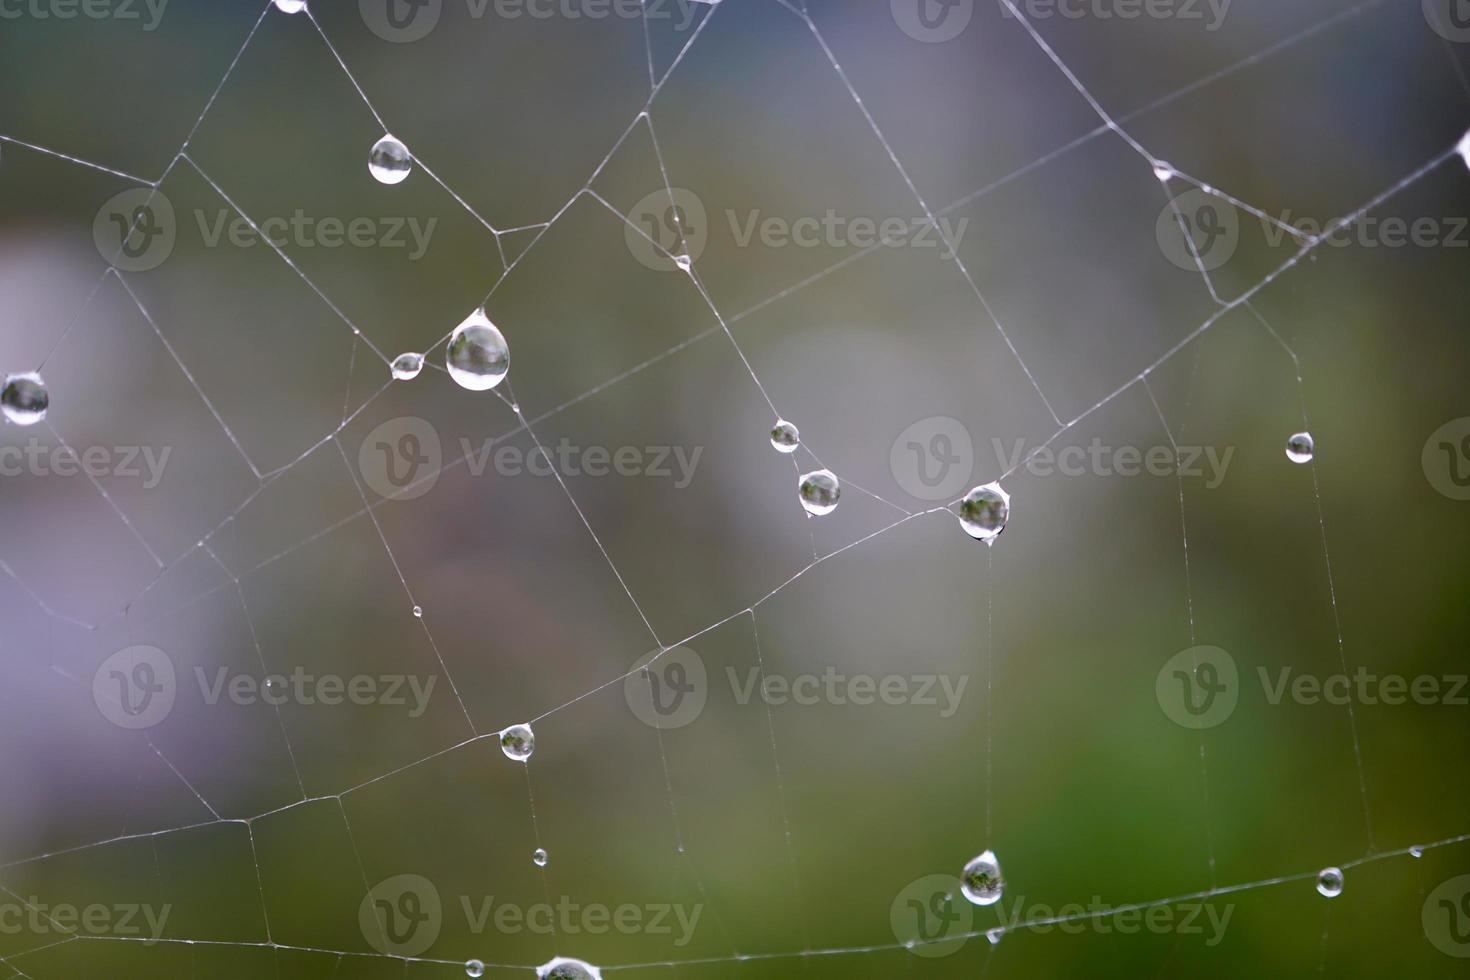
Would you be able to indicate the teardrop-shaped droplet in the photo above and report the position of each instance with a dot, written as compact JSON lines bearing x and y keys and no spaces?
{"x":24,"y":399}
{"x":518,"y":742}
{"x":538,"y":857}
{"x":389,"y":160}
{"x":981,"y":881}
{"x":407,"y":366}
{"x":1300,"y":448}
{"x":994,"y":935}
{"x":478,"y":356}
{"x":1329,"y":882}
{"x":683,"y":261}
{"x":474,"y":968}
{"x":566,"y":968}
{"x":785,"y":436}
{"x":819,"y":492}
{"x":984,"y":512}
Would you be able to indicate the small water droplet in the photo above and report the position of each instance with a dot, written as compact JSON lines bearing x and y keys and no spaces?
{"x":389,"y":160}
{"x":407,"y":366}
{"x":1329,"y":882}
{"x":290,"y":6}
{"x":518,"y":742}
{"x":981,"y":881}
{"x":478,"y":356}
{"x":1416,"y":851}
{"x":418,"y":611}
{"x":1464,"y":149}
{"x":1300,"y":448}
{"x":785,"y":436}
{"x":474,"y":968}
{"x":24,"y":399}
{"x":819,"y":492}
{"x":538,"y":857}
{"x":1164,"y":172}
{"x":994,"y":935}
{"x":566,"y":968}
{"x":683,"y":261}
{"x":984,"y":512}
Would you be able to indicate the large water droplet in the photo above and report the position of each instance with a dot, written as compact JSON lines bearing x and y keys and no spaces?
{"x":474,"y":968}
{"x":1300,"y":448}
{"x":24,"y":399}
{"x":984,"y":512}
{"x":820,"y":492}
{"x":566,"y":968}
{"x":1329,"y":882}
{"x":406,"y":367}
{"x":290,"y":6}
{"x":538,"y":857}
{"x":478,"y":356}
{"x":389,"y":160}
{"x":518,"y":742}
{"x":785,"y":436}
{"x":981,"y":881}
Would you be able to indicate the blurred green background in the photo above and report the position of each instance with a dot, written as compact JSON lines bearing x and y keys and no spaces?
{"x":799,"y":828}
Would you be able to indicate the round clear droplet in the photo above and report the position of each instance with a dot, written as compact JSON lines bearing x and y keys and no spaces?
{"x":389,"y":160}
{"x":1164,"y":172}
{"x":407,"y":366}
{"x":290,"y":6}
{"x":981,"y":881}
{"x":785,"y":436}
{"x":1464,"y":149}
{"x":820,"y":492}
{"x":984,"y":512}
{"x":1300,"y":448}
{"x":538,"y":857}
{"x":474,"y":968}
{"x":518,"y":742}
{"x":24,"y":399}
{"x":478,"y":356}
{"x":993,"y":935}
{"x":566,"y":968}
{"x":1329,"y":882}
{"x":1416,"y":851}
{"x":418,"y":611}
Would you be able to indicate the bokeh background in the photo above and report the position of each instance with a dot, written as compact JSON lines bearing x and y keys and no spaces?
{"x":800,"y":828}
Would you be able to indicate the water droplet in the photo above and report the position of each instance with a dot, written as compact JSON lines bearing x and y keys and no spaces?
{"x":1300,"y":448}
{"x":1416,"y":851}
{"x":984,"y":512}
{"x":981,"y":881}
{"x":418,"y":611}
{"x":820,"y":492}
{"x":290,"y":6}
{"x":1164,"y":172}
{"x":1464,"y":149}
{"x":406,"y":367}
{"x":478,"y":355}
{"x":994,"y":935}
{"x":389,"y":160}
{"x":518,"y":742}
{"x":683,"y":261}
{"x":24,"y":399}
{"x":474,"y":968}
{"x":785,"y":436}
{"x":538,"y":857}
{"x":566,"y":968}
{"x":1329,"y":882}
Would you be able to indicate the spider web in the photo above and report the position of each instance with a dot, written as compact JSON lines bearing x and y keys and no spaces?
{"x":534,"y":600}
